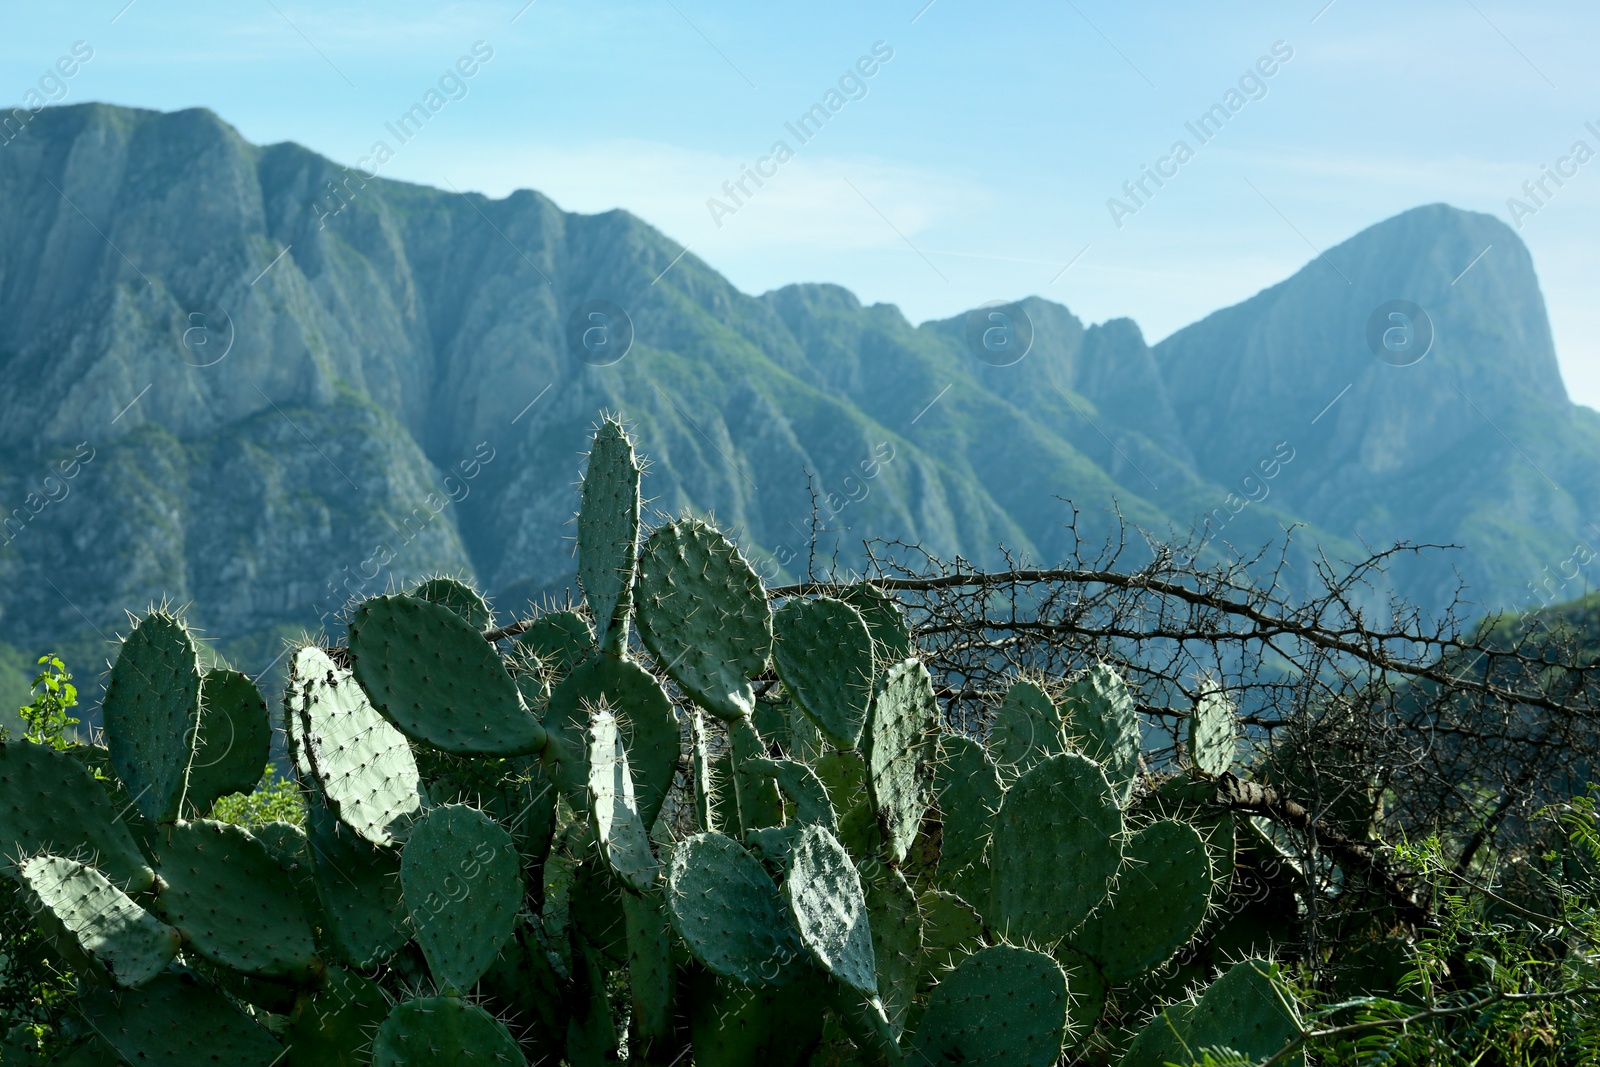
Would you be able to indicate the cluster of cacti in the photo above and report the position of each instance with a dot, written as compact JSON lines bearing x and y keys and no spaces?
{"x":752,"y":840}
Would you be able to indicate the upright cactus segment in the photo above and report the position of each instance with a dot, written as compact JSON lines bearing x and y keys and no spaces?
{"x":608,"y":534}
{"x":891,"y":633}
{"x":1027,"y":728}
{"x":363,"y":766}
{"x":441,"y":1031}
{"x":897,"y":939}
{"x":1002,"y":1005}
{"x":1247,"y":1010}
{"x":803,"y":788}
{"x":703,"y":614}
{"x":561,"y":640}
{"x":463,"y":888}
{"x":649,"y":730}
{"x":358,"y":886}
{"x":334,"y":1026}
{"x":234,"y":741}
{"x":622,"y":835}
{"x":1055,"y":849}
{"x":822,"y":650}
{"x":1213,"y":732}
{"x":176,"y":1018}
{"x":151,"y":713}
{"x":459,"y":597}
{"x":1161,"y":896}
{"x":438,"y":681}
{"x":829,"y":909}
{"x":1102,"y":721}
{"x":50,"y":803}
{"x":233,"y":903}
{"x":968,"y":787}
{"x":901,"y":745}
{"x":728,"y":912}
{"x":95,"y":924}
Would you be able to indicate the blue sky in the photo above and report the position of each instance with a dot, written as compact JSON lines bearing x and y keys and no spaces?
{"x":973,"y":165}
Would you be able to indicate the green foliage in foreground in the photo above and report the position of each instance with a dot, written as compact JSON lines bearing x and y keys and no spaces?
{"x":718,"y":833}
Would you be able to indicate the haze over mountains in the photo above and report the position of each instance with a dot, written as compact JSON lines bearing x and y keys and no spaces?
{"x":399,"y":397}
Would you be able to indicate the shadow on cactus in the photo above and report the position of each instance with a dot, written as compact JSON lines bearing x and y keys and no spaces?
{"x":690,"y":821}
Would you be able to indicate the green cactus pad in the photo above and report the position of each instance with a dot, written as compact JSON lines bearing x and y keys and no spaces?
{"x":151,"y":712}
{"x":1088,"y":992}
{"x":760,"y":804}
{"x":728,"y":912}
{"x":652,"y":972}
{"x":1055,"y":849}
{"x":462,"y":880}
{"x":460,"y":598}
{"x":829,"y":909}
{"x":334,"y":1026}
{"x":93,"y":920}
{"x":703,"y":614}
{"x":1213,"y":732}
{"x":822,"y":650}
{"x":50,"y":802}
{"x":1027,"y":729}
{"x":896,"y":943}
{"x":624,"y":841}
{"x":967,"y":783}
{"x":649,"y":730}
{"x":232,"y":902}
{"x":608,"y":533}
{"x":891,"y":633}
{"x":731,"y":1025}
{"x":1003,"y":1005}
{"x":805,"y":742}
{"x":358,"y":884}
{"x":803,"y":788}
{"x":442,"y":1032}
{"x":362,"y":765}
{"x":176,"y":1018}
{"x":900,"y":748}
{"x":951,"y":930}
{"x":438,"y":681}
{"x":1245,"y":1010}
{"x":561,"y":640}
{"x":234,"y":742}
{"x":1161,"y":895}
{"x":524,"y":984}
{"x":1102,"y":723}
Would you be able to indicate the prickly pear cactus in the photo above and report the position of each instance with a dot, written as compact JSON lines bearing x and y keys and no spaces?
{"x":744,"y":837}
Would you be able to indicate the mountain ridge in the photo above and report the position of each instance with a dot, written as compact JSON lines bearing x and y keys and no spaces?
{"x":378,"y":352}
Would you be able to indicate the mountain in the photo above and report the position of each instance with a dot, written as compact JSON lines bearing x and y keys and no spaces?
{"x":251,"y":380}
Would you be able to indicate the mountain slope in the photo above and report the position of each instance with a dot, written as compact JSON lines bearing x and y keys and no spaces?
{"x":278,"y":384}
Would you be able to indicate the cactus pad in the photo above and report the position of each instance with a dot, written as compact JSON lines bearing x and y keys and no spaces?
{"x":829,"y":909}
{"x":728,"y":912}
{"x":151,"y":712}
{"x":233,"y":903}
{"x":967,"y":784}
{"x":803,"y":788}
{"x":608,"y":533}
{"x":1213,"y":732}
{"x":97,"y":919}
{"x":1159,"y":902}
{"x":822,"y":650}
{"x":460,"y":598}
{"x":900,"y":750}
{"x":1245,"y":1010}
{"x":1055,"y":849}
{"x":438,"y":681}
{"x":358,"y":885}
{"x":891,"y":633}
{"x":1102,"y":723}
{"x":561,"y":640}
{"x":731,"y":1025}
{"x":644,"y":713}
{"x":362,"y":765}
{"x":334,"y":1026}
{"x":176,"y":1018}
{"x":623,"y":838}
{"x":896,"y":943}
{"x":1027,"y":729}
{"x":704,"y":615}
{"x":462,"y":881}
{"x":951,"y":929}
{"x":234,"y":741}
{"x":442,"y":1031}
{"x":1003,"y":1005}
{"x":50,"y":802}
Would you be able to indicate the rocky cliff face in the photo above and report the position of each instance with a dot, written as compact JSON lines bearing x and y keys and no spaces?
{"x":276,"y":383}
